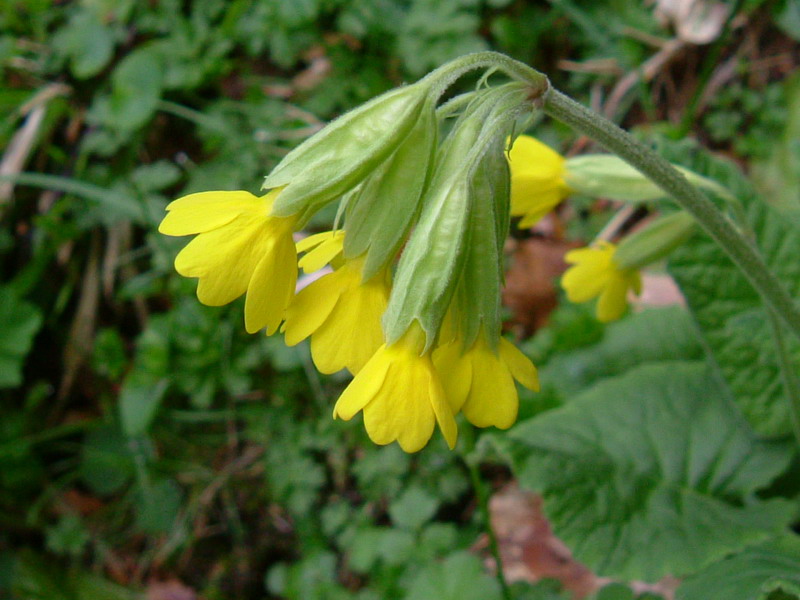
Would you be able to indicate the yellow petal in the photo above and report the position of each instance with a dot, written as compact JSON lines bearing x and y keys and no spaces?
{"x":365,"y":386}
{"x":613,"y":300}
{"x":272,"y":285}
{"x":528,"y":156}
{"x":442,"y":412}
{"x":352,"y":332}
{"x":402,"y":409}
{"x":520,"y":366}
{"x":204,"y":211}
{"x":455,"y":372}
{"x":311,"y":307}
{"x":583,"y":282}
{"x":224,"y":259}
{"x":326,"y":247}
{"x":493,"y":399}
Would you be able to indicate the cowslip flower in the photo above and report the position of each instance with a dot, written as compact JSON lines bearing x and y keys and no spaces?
{"x":480,"y":381}
{"x":537,"y":179}
{"x":400,"y":394}
{"x":595,"y":274}
{"x":339,"y":311}
{"x":239,"y":249}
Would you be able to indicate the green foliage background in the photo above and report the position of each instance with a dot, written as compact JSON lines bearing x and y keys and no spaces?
{"x":145,"y":438}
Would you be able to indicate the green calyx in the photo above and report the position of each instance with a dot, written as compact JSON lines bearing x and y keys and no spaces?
{"x":344,"y":153}
{"x":608,"y":176}
{"x":381,"y":210}
{"x":459,"y":214}
{"x":655,"y":241}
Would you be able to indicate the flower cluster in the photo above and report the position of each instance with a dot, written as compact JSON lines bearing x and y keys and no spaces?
{"x":408,"y":300}
{"x":406,"y":294}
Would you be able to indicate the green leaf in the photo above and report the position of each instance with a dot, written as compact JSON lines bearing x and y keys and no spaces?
{"x":459,"y":577}
{"x":655,"y":335}
{"x":19,"y":321}
{"x":413,"y":508}
{"x":87,"y":42}
{"x":733,"y":318}
{"x":651,"y":473}
{"x":157,"y":506}
{"x":750,"y":575}
{"x":106,"y":462}
{"x":136,"y":90}
{"x":139,"y":402}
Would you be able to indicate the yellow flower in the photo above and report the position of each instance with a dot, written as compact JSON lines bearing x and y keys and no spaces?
{"x":340,"y":312}
{"x":240,"y":249}
{"x":480,"y":381}
{"x":401,"y":395}
{"x":537,"y":179}
{"x":597,"y":274}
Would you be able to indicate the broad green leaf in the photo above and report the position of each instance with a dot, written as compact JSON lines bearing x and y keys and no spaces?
{"x":750,"y":575}
{"x":413,"y":508}
{"x":157,"y":505}
{"x":654,"y":335}
{"x":106,"y":461}
{"x":19,"y":321}
{"x":87,"y":42}
{"x":459,"y":577}
{"x":136,"y":89}
{"x":733,"y":318}
{"x":651,"y":473}
{"x":139,"y":402}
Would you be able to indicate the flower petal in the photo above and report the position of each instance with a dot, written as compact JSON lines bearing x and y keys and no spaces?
{"x":493,"y":396}
{"x":365,"y":386}
{"x":613,"y":300}
{"x":352,"y":333}
{"x":442,"y":412}
{"x":272,"y":284}
{"x":324,"y":252}
{"x":520,"y":366}
{"x":455,"y":371}
{"x":224,"y":259}
{"x":402,"y":409}
{"x":311,"y":307}
{"x":204,"y":211}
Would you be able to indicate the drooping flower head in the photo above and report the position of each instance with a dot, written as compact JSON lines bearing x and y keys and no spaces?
{"x":537,"y":179}
{"x":400,"y":394}
{"x":239,"y":249}
{"x":339,"y":311}
{"x":595,"y":274}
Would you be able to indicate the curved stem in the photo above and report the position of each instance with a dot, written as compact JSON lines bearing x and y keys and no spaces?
{"x":743,"y":253}
{"x":448,"y":73}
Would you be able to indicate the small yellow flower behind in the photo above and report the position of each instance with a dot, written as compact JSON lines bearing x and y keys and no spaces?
{"x":537,"y":179}
{"x":401,"y":395}
{"x":239,"y":249}
{"x":595,"y":273}
{"x":340,"y":312}
{"x":480,"y":381}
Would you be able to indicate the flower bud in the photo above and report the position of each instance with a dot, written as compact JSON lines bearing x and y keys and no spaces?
{"x":655,"y":241}
{"x":430,"y":267}
{"x":380,"y":211}
{"x":340,"y":156}
{"x":608,"y":176}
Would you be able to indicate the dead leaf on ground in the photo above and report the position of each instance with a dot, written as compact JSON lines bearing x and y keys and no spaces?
{"x":170,"y":590}
{"x":531,"y":282}
{"x":530,"y":551}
